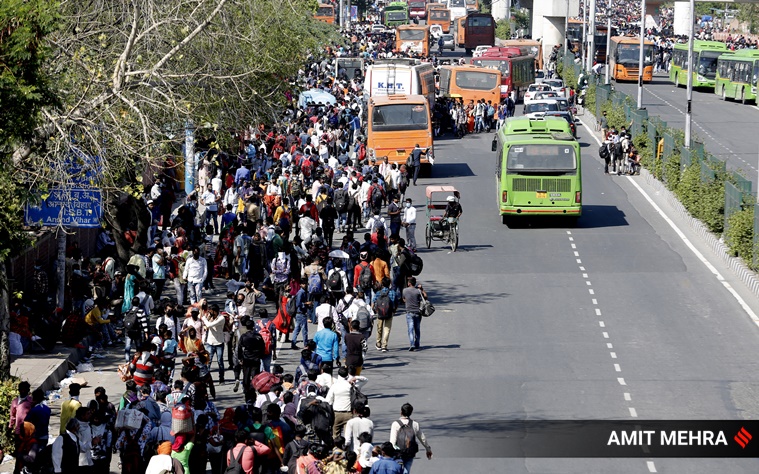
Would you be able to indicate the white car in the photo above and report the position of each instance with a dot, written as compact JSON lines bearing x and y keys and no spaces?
{"x":479,"y":50}
{"x":529,"y":96}
{"x":378,"y":28}
{"x":539,"y":77}
{"x":436,"y":31}
{"x":539,"y":108}
{"x":544,"y":95}
{"x":557,"y":85}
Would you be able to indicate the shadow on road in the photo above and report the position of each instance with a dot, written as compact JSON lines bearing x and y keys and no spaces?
{"x":593,"y":217}
{"x":443,"y":294}
{"x":451,"y":170}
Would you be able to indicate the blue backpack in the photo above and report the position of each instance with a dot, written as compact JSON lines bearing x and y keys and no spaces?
{"x":315,"y":284}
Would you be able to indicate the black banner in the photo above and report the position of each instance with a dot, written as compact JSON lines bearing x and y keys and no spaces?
{"x":609,"y":439}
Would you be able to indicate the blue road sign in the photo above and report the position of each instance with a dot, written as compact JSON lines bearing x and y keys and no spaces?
{"x":69,"y":208}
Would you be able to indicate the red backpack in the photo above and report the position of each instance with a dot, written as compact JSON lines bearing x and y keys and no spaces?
{"x":263,"y":331}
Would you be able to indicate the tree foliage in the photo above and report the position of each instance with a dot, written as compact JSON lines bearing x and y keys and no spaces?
{"x":132,"y":74}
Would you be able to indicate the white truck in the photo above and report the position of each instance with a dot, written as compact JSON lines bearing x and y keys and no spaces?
{"x":401,"y":77}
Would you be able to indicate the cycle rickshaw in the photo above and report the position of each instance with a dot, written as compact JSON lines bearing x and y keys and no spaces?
{"x":439,"y":228}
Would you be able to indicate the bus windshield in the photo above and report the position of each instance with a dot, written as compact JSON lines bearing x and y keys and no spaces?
{"x":456,"y":4}
{"x":396,"y":117}
{"x":411,"y":35}
{"x":416,"y":5}
{"x":629,"y":54}
{"x":481,"y":81}
{"x":396,"y":15}
{"x":440,"y":15}
{"x":483,"y":21}
{"x":501,"y":65}
{"x":707,"y":63}
{"x":325,"y":11}
{"x":541,"y":158}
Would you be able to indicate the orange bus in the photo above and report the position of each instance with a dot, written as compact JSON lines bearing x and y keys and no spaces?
{"x":470,"y":83}
{"x":527,"y":47}
{"x":412,"y":39}
{"x":326,"y":13}
{"x":624,"y":59}
{"x":473,"y":5}
{"x":437,"y":14}
{"x":396,"y":124}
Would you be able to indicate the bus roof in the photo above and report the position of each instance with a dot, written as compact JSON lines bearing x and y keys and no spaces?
{"x":740,"y":54}
{"x":629,"y":40}
{"x":395,"y":98}
{"x":701,"y":45}
{"x":412,"y":27}
{"x":502,"y":51}
{"x":470,"y":67}
{"x":536,"y":126}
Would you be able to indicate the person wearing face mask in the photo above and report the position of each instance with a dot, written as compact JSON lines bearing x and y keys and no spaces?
{"x":192,"y":322}
{"x":409,"y":222}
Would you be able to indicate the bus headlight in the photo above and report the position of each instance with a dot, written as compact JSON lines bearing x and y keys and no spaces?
{"x":701,"y":78}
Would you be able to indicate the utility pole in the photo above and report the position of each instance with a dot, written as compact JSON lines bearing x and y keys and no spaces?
{"x":608,"y":40}
{"x":583,"y":47}
{"x":641,"y":56}
{"x":689,"y":87}
{"x":566,"y":28}
{"x":591,"y":35}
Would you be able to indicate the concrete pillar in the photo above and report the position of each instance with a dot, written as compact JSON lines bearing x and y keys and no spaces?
{"x":682,"y":18}
{"x":500,"y":10}
{"x":548,"y":22}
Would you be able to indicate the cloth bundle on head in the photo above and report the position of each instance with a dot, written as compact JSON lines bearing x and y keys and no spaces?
{"x":164,"y":448}
{"x":178,"y":443}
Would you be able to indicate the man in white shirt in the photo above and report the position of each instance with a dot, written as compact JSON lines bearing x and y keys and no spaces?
{"x":406,"y":411}
{"x":208,"y":199}
{"x":195,"y":272}
{"x":306,"y":227}
{"x":339,"y":396}
{"x":325,"y":309}
{"x":66,"y":449}
{"x":357,"y":425}
{"x":409,"y":222}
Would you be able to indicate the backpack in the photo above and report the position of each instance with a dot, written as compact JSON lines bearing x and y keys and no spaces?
{"x":315,"y":283}
{"x":265,"y":406}
{"x":296,"y":188}
{"x":414,"y":265}
{"x":603,"y":152}
{"x":263,"y":331}
{"x":335,"y":281}
{"x":281,"y":266}
{"x":376,"y":196}
{"x":131,"y":326}
{"x":341,"y":200}
{"x":377,"y":224}
{"x":365,"y":277}
{"x":292,"y":307}
{"x":235,"y":463}
{"x":406,"y":440}
{"x":357,"y":396}
{"x":383,"y":306}
{"x":364,"y":318}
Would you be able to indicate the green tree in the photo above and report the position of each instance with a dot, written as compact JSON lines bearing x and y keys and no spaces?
{"x":503,"y":29}
{"x":24,"y":90}
{"x":749,"y":14}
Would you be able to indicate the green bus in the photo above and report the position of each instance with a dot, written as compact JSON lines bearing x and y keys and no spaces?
{"x":538,"y":170}
{"x":705,"y":54}
{"x":737,"y":75}
{"x":395,"y":14}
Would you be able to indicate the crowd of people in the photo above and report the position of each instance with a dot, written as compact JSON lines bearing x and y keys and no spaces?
{"x":274,"y":226}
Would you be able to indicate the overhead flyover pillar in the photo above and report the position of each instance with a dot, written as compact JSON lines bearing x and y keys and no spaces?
{"x":549,"y":22}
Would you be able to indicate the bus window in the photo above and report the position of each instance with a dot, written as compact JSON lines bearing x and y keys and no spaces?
{"x":456,"y":4}
{"x":502,"y":66}
{"x":476,"y":80}
{"x":440,"y":15}
{"x":325,"y":11}
{"x":541,"y":158}
{"x":707,"y":63}
{"x":480,"y":21}
{"x":410,"y":35}
{"x":756,"y":73}
{"x":395,"y":117}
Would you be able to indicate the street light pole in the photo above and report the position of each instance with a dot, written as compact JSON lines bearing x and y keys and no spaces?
{"x":689,"y":87}
{"x":592,"y":35}
{"x":641,"y":55}
{"x":566,"y":28}
{"x":584,"y":38}
{"x":608,"y":40}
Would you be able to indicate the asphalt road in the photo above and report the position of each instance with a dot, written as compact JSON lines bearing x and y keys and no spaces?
{"x":728,"y":129}
{"x":527,"y":329}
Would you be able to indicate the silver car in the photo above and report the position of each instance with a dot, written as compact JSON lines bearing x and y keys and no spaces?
{"x":449,"y":42}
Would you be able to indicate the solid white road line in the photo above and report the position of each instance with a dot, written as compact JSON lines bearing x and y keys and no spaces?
{"x":690,"y":245}
{"x":651,"y":467}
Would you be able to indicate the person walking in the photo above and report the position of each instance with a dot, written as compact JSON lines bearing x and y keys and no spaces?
{"x":250,"y":350}
{"x":195,"y":272}
{"x":409,"y":222}
{"x":214,"y":342}
{"x":384,"y":308}
{"x":416,"y":161}
{"x":404,"y":433}
{"x":412,"y":297}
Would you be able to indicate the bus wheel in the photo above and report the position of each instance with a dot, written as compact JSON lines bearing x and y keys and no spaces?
{"x":723,"y":96}
{"x":743,"y":96}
